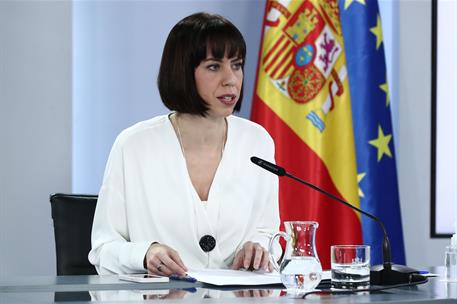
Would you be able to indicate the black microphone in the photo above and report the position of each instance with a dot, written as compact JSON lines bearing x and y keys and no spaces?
{"x":385,"y":274}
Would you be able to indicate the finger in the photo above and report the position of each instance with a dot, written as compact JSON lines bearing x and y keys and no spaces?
{"x":246,"y":293}
{"x":154,"y":271}
{"x":270,"y":267}
{"x":152,"y":264}
{"x":256,"y":293}
{"x":258,"y":255}
{"x":160,"y":269}
{"x":175,"y":257}
{"x":238,"y":260}
{"x":265,"y":260}
{"x":172,"y":266}
{"x":248,"y":251}
{"x":164,"y":270}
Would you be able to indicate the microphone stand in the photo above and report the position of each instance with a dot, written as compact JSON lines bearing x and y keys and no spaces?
{"x":385,"y":274}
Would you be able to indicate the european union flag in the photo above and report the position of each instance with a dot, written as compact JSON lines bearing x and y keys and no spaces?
{"x":376,"y":170}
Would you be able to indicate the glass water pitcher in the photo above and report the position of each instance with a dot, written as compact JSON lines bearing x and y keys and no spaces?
{"x":300,"y":268}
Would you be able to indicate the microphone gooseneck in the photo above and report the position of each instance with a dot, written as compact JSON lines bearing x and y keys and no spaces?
{"x":385,"y":274}
{"x":268,"y":166}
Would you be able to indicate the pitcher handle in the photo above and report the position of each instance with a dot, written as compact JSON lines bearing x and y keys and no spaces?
{"x":270,"y":248}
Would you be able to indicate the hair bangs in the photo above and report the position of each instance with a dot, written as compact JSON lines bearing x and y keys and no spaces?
{"x":220,"y":39}
{"x":226,"y":43}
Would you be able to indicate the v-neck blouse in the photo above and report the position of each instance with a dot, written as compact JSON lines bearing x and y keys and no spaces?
{"x":185,"y":171}
{"x":147,"y":196}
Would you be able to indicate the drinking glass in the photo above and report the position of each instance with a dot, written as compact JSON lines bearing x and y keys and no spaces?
{"x":350,"y":266}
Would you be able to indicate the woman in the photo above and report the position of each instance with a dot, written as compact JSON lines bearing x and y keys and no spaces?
{"x":179,"y":190}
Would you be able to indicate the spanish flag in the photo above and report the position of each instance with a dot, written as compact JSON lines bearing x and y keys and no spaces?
{"x":303,"y":99}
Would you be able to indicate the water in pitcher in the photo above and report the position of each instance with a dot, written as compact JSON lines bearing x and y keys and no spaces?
{"x":301,"y":273}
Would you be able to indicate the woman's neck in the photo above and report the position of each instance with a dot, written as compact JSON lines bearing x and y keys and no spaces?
{"x":196,"y":130}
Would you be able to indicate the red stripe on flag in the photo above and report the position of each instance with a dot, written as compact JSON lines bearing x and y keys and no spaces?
{"x":273,"y":49}
{"x":286,"y":66}
{"x":285,"y":71}
{"x":278,"y":54}
{"x":338,"y":224}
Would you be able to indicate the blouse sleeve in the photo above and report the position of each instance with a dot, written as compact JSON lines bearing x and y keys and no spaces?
{"x":112,"y":252}
{"x":267,"y":218}
{"x":268,"y":221}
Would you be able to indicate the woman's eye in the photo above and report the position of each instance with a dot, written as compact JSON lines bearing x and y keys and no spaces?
{"x":213,"y":67}
{"x":237,"y":66}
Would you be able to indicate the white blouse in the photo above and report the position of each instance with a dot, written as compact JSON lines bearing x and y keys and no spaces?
{"x":147,"y":196}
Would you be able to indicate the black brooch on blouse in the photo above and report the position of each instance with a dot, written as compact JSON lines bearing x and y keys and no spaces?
{"x":207,"y":243}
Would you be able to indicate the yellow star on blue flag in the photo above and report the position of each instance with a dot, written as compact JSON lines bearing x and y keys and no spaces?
{"x":382,"y":143}
{"x":377,"y":31}
{"x":347,"y":3}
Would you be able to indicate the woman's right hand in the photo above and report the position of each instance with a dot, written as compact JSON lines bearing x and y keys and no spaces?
{"x":163,"y":261}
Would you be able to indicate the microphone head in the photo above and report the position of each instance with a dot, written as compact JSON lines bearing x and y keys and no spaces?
{"x":268,"y":166}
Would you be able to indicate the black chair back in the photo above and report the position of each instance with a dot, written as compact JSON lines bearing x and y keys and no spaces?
{"x":73,"y":215}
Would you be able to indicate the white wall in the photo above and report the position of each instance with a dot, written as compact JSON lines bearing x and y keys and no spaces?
{"x":35,"y":126}
{"x":414,"y":128}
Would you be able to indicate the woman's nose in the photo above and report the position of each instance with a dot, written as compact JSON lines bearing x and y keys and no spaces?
{"x":229,"y":78}
{"x":228,"y":83}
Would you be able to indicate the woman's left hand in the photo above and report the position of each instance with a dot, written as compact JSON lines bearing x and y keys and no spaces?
{"x":252,"y":256}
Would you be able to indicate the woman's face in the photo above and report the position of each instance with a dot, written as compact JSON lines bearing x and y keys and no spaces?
{"x":219,"y":83}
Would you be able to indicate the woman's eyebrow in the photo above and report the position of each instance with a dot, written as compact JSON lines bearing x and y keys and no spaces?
{"x":221,"y":59}
{"x":212,"y":59}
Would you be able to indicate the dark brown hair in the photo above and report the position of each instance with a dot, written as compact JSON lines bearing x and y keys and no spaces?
{"x":187,"y":46}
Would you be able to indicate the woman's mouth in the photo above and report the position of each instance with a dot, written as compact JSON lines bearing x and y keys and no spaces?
{"x":228,"y":99}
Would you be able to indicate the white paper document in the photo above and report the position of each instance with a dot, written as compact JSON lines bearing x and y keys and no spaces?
{"x":223,"y":277}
